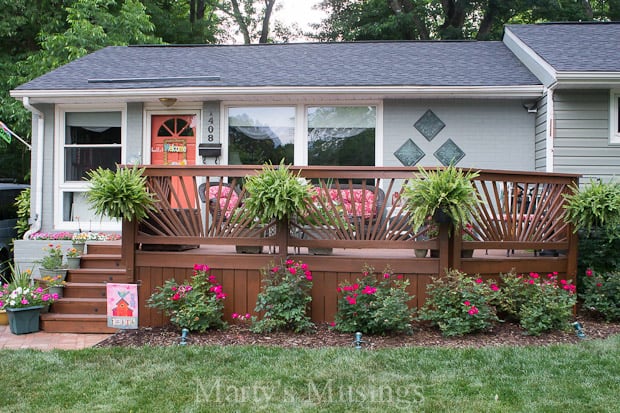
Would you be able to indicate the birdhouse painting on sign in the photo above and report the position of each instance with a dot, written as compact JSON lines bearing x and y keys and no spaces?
{"x":122,"y":305}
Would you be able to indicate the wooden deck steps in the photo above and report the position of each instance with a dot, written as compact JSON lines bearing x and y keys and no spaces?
{"x":83,"y":306}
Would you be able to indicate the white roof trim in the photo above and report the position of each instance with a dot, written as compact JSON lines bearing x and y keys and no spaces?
{"x":219,"y":92}
{"x":536,"y":58}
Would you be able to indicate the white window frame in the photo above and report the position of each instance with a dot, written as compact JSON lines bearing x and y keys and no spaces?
{"x":614,"y":112}
{"x":301,"y":125}
{"x":61,"y":186}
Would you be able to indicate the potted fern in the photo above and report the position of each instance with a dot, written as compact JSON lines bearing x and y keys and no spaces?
{"x":275,"y":193}
{"x":120,"y":194}
{"x":441,"y":194}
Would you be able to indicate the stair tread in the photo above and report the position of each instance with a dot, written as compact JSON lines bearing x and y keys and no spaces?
{"x":99,"y":270}
{"x":73,"y":317}
{"x":101,"y":256}
{"x":82,"y":299}
{"x":84,"y":285}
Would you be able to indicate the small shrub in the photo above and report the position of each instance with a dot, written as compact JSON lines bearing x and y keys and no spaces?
{"x":538,"y":303}
{"x":197,"y":305}
{"x":602,"y":293}
{"x":284,"y":299}
{"x":374,"y":305}
{"x":459,"y":304}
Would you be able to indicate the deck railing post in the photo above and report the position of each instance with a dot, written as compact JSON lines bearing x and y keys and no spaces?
{"x":445,"y":250}
{"x":128,"y":250}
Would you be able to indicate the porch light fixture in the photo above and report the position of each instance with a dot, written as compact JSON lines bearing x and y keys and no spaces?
{"x":167,"y":102}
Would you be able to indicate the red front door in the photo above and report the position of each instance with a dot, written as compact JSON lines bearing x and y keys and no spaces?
{"x":173,"y":142}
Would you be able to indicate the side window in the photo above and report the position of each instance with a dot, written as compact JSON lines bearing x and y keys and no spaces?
{"x":614,"y":116}
{"x":91,"y":140}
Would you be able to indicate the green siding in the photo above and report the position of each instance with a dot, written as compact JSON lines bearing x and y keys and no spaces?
{"x":581,"y":143}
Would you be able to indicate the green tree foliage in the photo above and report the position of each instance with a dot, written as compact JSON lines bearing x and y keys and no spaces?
{"x":449,"y":19}
{"x":41,"y":36}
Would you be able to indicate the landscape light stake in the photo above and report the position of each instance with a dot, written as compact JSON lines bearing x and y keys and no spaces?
{"x":579,"y":329}
{"x":184,"y":337}
{"x":358,"y":341}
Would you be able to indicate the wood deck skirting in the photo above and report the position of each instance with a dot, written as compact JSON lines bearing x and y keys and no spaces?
{"x":500,"y":229}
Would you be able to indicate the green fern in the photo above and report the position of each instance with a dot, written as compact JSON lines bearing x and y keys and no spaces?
{"x":450,"y":190}
{"x":120,"y":194}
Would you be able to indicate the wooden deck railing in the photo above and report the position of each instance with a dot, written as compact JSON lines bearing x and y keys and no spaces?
{"x":519,"y":210}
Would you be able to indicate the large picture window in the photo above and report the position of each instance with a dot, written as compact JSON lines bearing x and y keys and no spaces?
{"x":341,"y":135}
{"x":261,"y":134}
{"x":303,"y":135}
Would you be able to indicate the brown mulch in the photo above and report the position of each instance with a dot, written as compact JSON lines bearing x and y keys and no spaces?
{"x":504,"y":334}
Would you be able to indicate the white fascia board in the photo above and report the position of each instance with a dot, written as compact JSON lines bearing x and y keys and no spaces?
{"x":536,"y":64}
{"x":588,"y":79}
{"x":194,"y":93}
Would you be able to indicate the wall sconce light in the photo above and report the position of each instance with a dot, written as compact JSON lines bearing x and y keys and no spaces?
{"x":167,"y":102}
{"x":531,"y":107}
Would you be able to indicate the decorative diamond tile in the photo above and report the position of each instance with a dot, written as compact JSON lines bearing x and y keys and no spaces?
{"x":409,"y":153}
{"x":449,"y":153}
{"x":429,"y":125}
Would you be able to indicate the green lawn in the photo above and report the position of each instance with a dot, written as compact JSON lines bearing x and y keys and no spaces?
{"x":562,"y":378}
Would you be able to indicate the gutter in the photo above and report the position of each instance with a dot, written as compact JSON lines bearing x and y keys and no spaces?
{"x":549,"y":152}
{"x":35,"y":217}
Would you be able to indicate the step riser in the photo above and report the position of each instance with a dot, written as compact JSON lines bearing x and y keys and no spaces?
{"x":99,"y":263}
{"x":57,"y":326}
{"x":85,"y":292}
{"x":97,"y":248}
{"x":65,"y":307}
{"x":98,"y":278}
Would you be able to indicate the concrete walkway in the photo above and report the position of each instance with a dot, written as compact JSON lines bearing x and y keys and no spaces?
{"x":48,"y":341}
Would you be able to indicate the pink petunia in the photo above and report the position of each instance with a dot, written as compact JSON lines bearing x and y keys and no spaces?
{"x":304,"y":266}
{"x":351,"y":300}
{"x":589,"y":272}
{"x":292,"y":270}
{"x":466,"y":303}
{"x":24,"y":301}
{"x":308,"y":277}
{"x":247,"y":316}
{"x":290,"y":262}
{"x":369,"y":290}
{"x":234,"y":316}
{"x":386,"y":275}
{"x":399,"y":277}
{"x":176,"y":297}
{"x":473,"y":311}
{"x":494,"y":287}
{"x":479,"y":281}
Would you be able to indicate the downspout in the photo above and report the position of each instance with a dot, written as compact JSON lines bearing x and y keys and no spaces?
{"x":35,"y":218}
{"x":549,"y":152}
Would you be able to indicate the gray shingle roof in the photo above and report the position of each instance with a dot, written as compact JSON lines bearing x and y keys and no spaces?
{"x":574,"y":47}
{"x":289,"y":65}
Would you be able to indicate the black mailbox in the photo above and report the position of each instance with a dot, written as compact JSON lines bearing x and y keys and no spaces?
{"x":210,"y":150}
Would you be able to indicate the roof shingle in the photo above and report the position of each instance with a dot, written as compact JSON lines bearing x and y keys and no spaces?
{"x":289,"y":65}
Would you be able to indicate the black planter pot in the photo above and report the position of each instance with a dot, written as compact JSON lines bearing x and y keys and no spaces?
{"x":441,"y":217}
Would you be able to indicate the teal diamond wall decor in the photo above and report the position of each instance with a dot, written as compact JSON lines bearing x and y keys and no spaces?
{"x":429,"y":125}
{"x":409,"y":153}
{"x":449,"y":153}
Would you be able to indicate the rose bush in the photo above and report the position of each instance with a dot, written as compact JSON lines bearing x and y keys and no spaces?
{"x":459,"y":304}
{"x":197,"y":305}
{"x":284,"y":298}
{"x":374,"y":304}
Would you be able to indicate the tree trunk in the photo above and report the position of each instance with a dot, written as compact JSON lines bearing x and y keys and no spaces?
{"x":264,"y":34}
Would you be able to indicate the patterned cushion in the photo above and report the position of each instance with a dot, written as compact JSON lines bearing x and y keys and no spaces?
{"x":224,"y":194}
{"x":356,"y":203}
